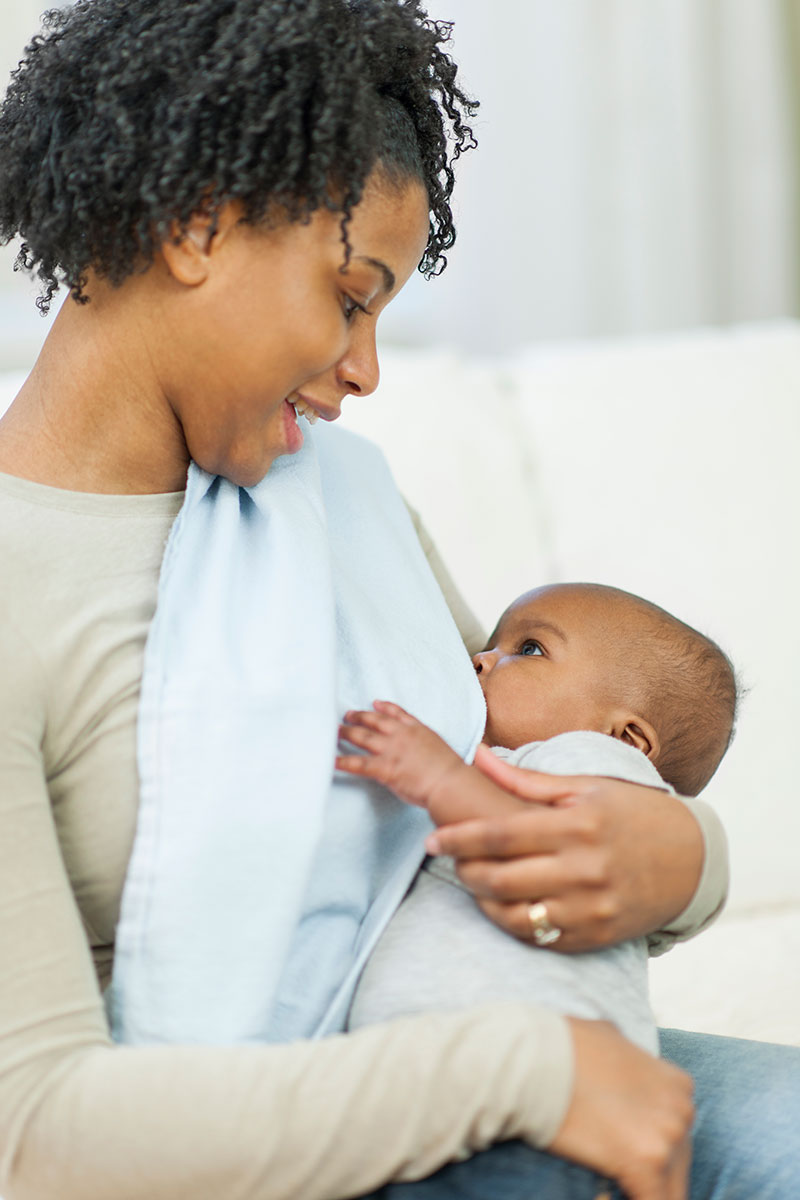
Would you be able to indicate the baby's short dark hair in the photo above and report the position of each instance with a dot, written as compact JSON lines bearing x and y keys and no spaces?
{"x":687,"y":689}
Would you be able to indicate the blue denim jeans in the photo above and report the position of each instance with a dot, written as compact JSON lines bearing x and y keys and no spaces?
{"x":746,"y":1136}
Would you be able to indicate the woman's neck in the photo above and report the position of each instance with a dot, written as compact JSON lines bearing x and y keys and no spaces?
{"x":92,"y":416}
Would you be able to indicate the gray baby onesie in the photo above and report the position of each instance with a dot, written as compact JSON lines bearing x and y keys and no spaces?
{"x":439,"y":951}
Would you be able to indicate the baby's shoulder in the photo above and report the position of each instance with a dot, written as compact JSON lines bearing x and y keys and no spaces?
{"x":584,"y":752}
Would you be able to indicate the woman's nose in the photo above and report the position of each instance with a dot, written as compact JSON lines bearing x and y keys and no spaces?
{"x":358,"y":371}
{"x":483,"y":661}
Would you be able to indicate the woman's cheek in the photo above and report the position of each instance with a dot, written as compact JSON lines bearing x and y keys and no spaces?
{"x":330,"y":337}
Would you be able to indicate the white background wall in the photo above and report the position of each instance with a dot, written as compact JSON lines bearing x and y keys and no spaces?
{"x":635,"y":173}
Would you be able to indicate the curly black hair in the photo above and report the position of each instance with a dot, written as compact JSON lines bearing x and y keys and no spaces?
{"x":128,"y":116}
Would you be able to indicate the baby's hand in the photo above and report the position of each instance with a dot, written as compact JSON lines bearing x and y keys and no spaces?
{"x":401,"y":752}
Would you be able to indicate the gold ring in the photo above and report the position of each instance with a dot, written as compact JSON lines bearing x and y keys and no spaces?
{"x":543,"y":932}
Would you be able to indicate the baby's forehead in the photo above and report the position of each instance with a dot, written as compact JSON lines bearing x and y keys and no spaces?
{"x":569,"y":601}
{"x":585,"y":609}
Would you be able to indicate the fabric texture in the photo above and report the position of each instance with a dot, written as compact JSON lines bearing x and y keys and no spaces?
{"x":439,"y":951}
{"x":256,"y":886}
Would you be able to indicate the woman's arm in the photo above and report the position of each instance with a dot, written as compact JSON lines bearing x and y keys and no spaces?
{"x":711,"y":893}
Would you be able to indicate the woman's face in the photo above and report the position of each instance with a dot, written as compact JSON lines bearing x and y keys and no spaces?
{"x":269,"y":317}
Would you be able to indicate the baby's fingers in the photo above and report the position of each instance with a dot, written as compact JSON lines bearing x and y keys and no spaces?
{"x":355,"y":764}
{"x":365,"y":736}
{"x":364,"y":717}
{"x":387,"y":708}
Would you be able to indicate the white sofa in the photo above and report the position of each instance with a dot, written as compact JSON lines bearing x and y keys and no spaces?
{"x":668,"y":467}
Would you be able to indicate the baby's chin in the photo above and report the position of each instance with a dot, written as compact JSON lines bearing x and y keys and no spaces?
{"x":492,"y":740}
{"x":510,"y":741}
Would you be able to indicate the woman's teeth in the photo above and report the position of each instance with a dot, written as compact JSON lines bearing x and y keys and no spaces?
{"x":305,"y":410}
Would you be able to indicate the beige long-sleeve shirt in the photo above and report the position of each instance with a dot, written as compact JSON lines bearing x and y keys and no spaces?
{"x":82,"y":1119}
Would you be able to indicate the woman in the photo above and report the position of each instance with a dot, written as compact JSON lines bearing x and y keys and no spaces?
{"x":233,"y":190}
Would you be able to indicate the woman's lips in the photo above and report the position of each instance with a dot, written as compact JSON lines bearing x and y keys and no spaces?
{"x":293,"y":434}
{"x":327,"y":413}
{"x":292,"y":431}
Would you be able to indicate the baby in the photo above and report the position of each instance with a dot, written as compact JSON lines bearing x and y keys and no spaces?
{"x":578,"y":679}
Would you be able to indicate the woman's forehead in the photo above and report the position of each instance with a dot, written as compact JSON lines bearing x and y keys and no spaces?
{"x":390,"y":226}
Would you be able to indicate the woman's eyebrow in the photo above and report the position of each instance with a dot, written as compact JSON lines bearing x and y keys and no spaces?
{"x":388,"y":276}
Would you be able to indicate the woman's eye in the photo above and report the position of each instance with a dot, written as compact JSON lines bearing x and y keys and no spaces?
{"x":350,"y":307}
{"x":531,"y":648}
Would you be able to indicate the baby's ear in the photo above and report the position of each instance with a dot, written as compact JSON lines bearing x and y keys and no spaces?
{"x":639,"y":733}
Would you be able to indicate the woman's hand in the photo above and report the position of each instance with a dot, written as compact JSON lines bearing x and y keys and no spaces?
{"x":610,"y":860}
{"x":630,"y":1115}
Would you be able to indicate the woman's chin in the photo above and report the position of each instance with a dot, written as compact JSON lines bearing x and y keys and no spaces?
{"x":248,"y":468}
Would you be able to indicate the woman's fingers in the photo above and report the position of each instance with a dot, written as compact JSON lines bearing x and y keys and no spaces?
{"x":511,"y":879}
{"x":529,"y":831}
{"x":529,"y":785}
{"x":573,"y":917}
{"x":516,"y":920}
{"x":630,"y":1115}
{"x":680,"y":1171}
{"x":570,"y":873}
{"x":628,"y":859}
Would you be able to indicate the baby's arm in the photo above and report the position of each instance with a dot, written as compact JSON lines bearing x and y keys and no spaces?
{"x":419,"y":767}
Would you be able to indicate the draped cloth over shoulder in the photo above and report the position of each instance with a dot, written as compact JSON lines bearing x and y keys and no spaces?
{"x":258,"y":881}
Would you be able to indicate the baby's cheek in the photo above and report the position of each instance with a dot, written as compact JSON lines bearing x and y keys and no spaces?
{"x":514,"y":723}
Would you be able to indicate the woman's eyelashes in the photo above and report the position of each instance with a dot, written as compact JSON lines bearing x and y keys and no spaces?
{"x":531,"y":647}
{"x":350,"y":307}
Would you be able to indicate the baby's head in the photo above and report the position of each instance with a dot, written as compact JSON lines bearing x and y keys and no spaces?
{"x":586,"y":656}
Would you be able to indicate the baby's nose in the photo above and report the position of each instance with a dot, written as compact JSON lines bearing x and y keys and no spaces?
{"x":483,"y":661}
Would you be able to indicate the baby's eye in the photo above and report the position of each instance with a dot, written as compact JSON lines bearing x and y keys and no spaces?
{"x":531,"y":647}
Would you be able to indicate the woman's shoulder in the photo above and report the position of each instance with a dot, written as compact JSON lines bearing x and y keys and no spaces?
{"x":77,"y":592}
{"x":74,"y":560}
{"x":21,"y":587}
{"x":51,"y":530}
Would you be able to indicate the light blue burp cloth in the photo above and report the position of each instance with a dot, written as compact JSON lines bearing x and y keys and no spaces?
{"x":259,"y":881}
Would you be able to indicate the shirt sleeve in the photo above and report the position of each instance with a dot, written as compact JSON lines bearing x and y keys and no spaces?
{"x":84,"y":1119}
{"x":712,"y":890}
{"x":711,"y":893}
